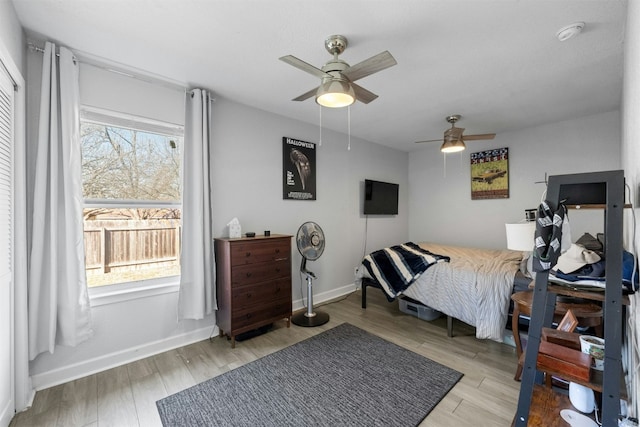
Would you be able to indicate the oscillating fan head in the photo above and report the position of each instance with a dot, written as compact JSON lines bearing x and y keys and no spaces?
{"x":310,"y":240}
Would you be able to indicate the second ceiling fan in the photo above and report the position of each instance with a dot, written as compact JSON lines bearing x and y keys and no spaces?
{"x":453,"y":140}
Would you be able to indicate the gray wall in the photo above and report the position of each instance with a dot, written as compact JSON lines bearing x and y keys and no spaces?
{"x":11,"y":34}
{"x":247,"y":158}
{"x":441,"y":209}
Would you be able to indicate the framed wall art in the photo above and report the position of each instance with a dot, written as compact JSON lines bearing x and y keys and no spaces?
{"x":298,"y":169}
{"x":490,"y":174}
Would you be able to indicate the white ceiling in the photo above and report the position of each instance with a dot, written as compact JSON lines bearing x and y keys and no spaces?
{"x":498,"y":63}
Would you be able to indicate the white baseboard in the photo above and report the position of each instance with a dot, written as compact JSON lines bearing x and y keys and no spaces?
{"x":98,"y":364}
{"x":7,"y":413}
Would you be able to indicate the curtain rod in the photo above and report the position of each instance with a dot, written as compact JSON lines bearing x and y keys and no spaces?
{"x":102,"y":64}
{"x":34,"y":48}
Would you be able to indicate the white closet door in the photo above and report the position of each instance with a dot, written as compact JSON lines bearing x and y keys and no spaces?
{"x":7,"y":402}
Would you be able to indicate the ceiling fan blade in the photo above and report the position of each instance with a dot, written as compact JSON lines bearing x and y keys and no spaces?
{"x":306,"y":95}
{"x":369,"y":66}
{"x":304,"y":66}
{"x":362,"y":94}
{"x":430,"y":140}
{"x":478,"y":136}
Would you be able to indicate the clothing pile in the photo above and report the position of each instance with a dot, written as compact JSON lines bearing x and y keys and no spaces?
{"x":584,"y":264}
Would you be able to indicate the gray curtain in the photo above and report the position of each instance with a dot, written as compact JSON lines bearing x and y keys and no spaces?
{"x":197,"y":287}
{"x":58,"y":300}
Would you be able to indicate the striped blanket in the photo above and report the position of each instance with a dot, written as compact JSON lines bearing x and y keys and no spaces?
{"x":397,"y":267}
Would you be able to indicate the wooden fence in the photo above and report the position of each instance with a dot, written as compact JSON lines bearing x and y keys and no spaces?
{"x":141,"y":244}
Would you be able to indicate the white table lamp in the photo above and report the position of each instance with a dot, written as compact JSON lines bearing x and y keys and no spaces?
{"x":521,"y":236}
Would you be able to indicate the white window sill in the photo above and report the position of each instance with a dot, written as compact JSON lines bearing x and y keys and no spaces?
{"x":113,"y":294}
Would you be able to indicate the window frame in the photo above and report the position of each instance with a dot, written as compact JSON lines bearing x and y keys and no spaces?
{"x":126,"y":291}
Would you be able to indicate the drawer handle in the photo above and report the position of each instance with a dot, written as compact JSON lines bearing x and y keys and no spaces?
{"x":280,"y":259}
{"x":249,"y":295}
{"x":249,"y":274}
{"x":277,"y":251}
{"x":248,"y":254}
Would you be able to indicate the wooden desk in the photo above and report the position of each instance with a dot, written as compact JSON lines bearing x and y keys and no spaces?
{"x":588,"y":315}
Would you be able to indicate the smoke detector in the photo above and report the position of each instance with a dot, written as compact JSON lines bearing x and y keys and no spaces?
{"x":570,"y":31}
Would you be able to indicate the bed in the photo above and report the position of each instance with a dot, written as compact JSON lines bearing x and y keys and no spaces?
{"x":473,"y":285}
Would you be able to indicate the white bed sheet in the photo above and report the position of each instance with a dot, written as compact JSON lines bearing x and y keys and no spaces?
{"x":475,"y":286}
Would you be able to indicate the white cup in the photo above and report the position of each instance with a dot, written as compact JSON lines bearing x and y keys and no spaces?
{"x":595,"y":347}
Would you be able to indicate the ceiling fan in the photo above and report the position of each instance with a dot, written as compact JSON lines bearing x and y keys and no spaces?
{"x":453,"y":139}
{"x":337,"y":87}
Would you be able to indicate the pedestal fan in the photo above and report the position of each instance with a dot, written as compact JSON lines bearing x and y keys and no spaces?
{"x":310,"y":241}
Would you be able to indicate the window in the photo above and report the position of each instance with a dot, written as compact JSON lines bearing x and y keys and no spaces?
{"x":131,"y":175}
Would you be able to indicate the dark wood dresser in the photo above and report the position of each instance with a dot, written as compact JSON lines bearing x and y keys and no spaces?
{"x":253,"y":281}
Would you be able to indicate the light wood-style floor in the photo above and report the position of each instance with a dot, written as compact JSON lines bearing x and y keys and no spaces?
{"x":125,"y":396}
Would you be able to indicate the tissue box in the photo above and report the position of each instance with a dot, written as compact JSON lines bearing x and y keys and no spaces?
{"x":235,"y":231}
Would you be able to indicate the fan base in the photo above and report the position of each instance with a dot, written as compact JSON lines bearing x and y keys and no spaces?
{"x":301,"y":319}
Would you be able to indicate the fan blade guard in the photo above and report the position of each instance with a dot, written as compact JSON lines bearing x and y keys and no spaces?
{"x":310,"y":240}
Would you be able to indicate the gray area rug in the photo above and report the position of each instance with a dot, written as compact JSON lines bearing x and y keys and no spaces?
{"x":341,"y":377}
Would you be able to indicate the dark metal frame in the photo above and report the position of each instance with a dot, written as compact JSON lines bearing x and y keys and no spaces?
{"x":544,"y":301}
{"x":369,"y":282}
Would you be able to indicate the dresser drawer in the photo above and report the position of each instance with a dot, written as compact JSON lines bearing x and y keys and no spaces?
{"x":254,"y":273}
{"x":259,"y":315}
{"x":260,"y":251}
{"x":259,"y":293}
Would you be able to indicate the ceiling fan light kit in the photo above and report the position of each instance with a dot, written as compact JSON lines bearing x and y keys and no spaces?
{"x":335,"y":93}
{"x":452,"y":146}
{"x":337,"y":88}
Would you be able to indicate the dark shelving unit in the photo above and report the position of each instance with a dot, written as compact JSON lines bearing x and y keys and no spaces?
{"x":579,"y":190}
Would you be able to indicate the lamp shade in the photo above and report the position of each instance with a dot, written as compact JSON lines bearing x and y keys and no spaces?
{"x":452,"y":146}
{"x":521,"y":236}
{"x":452,"y":141}
{"x":335,"y":93}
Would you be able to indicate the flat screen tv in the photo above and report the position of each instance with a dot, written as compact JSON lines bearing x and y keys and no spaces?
{"x":380,"y":198}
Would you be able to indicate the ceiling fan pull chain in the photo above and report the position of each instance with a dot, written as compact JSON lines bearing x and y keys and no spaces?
{"x":349,"y":127}
{"x":320,"y":125}
{"x":444,"y":169}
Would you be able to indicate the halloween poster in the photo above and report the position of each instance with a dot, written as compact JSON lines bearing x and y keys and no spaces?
{"x":298,"y":169}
